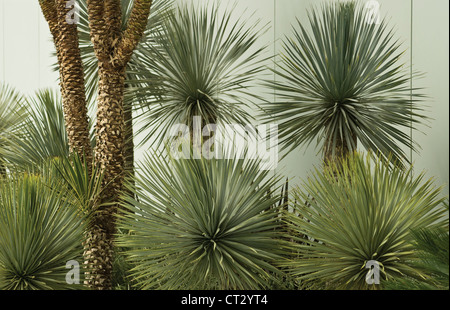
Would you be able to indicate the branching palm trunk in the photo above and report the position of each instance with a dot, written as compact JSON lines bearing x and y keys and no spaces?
{"x":113,"y":48}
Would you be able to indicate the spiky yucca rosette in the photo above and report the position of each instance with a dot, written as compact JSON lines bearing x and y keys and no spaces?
{"x":342,"y":83}
{"x":359,"y":211}
{"x":201,"y":224}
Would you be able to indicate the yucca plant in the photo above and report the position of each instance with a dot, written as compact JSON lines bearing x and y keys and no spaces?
{"x":12,"y":114}
{"x":40,"y":232}
{"x":41,"y":134}
{"x":201,"y":224}
{"x":433,"y":250}
{"x":432,"y":246}
{"x":82,"y":180}
{"x":203,"y":65}
{"x":342,"y":81}
{"x":356,"y":212}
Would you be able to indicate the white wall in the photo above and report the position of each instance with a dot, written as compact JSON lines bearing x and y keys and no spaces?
{"x":25,"y":46}
{"x":430,"y":50}
{"x":422,"y":25}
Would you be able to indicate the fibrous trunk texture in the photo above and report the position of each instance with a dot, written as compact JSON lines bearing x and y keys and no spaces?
{"x":334,"y":158}
{"x":129,"y":144}
{"x":340,"y":150}
{"x":109,"y":154}
{"x":113,"y":49}
{"x":2,"y":169}
{"x":65,"y":37}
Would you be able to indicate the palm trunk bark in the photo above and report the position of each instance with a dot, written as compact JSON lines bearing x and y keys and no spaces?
{"x":333,"y":158}
{"x":109,"y":154}
{"x":340,"y":150}
{"x":113,"y":49}
{"x":65,"y":37}
{"x":110,"y":130}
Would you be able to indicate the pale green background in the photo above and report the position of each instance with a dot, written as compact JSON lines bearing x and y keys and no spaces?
{"x":422,"y":26}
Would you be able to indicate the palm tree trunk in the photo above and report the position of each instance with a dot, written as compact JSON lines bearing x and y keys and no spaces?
{"x":110,"y":129}
{"x":113,"y":50}
{"x":110,"y":156}
{"x":65,"y":37}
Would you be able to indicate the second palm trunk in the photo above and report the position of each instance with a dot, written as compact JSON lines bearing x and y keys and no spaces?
{"x":110,"y":158}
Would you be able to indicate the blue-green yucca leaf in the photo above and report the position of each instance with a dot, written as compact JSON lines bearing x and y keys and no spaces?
{"x":201,"y":224}
{"x":341,"y":82}
{"x":40,"y":232}
{"x":82,"y":180}
{"x":356,"y":212}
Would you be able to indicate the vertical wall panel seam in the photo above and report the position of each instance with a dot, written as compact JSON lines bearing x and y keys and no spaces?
{"x":39,"y":48}
{"x":274,"y":45}
{"x":274,"y":57}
